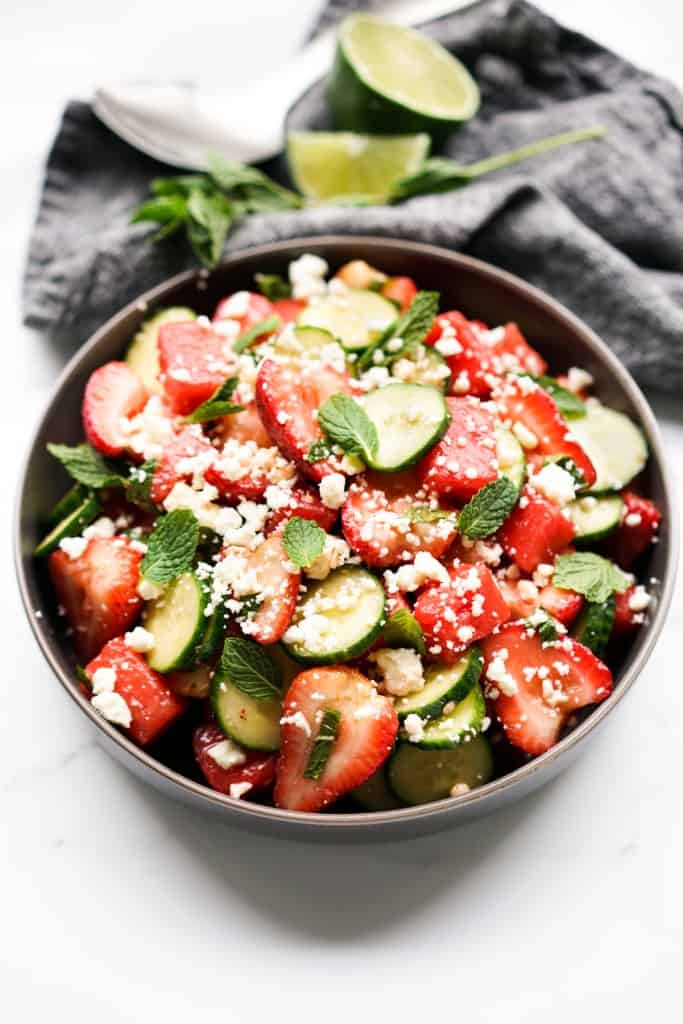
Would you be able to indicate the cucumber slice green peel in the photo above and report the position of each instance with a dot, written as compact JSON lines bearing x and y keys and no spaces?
{"x":613,"y":443}
{"x":457,"y":724}
{"x":595,"y":517}
{"x":349,"y":607}
{"x":176,"y":620}
{"x":443,"y":684}
{"x":71,"y":526}
{"x":419,"y":776}
{"x":254,"y":724}
{"x":594,"y":625}
{"x":355,"y":317}
{"x":409,"y":419}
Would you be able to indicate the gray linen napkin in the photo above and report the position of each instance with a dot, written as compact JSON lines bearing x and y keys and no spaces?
{"x":599,"y":225}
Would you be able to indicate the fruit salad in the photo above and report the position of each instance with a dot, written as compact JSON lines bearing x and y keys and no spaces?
{"x":343,"y":548}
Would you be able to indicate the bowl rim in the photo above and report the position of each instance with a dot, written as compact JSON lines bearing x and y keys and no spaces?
{"x":440,"y":810}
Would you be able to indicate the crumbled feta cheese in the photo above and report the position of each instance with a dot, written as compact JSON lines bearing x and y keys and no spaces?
{"x":401,"y":670}
{"x":498,"y":673}
{"x":102,"y":527}
{"x":375,"y":377}
{"x":527,"y":590}
{"x":103,"y":679}
{"x":140,"y":640}
{"x":113,"y":707}
{"x":639,"y":600}
{"x":332,"y":490}
{"x":73,"y":547}
{"x":227,"y":754}
{"x":448,"y":345}
{"x":149,"y":591}
{"x":526,"y":437}
{"x":633,"y":519}
{"x":148,"y":433}
{"x":578,"y":379}
{"x":412,"y":576}
{"x":239,"y":789}
{"x":307,"y":276}
{"x":236,"y":306}
{"x":414,"y":727}
{"x":334,"y":554}
{"x":298,"y":719}
{"x":554,"y":482}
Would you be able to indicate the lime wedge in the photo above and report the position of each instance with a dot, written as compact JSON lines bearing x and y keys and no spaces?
{"x":332,"y":164}
{"x":392,"y":80}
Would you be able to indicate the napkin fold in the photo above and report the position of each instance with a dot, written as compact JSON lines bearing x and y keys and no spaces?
{"x":598,"y":225}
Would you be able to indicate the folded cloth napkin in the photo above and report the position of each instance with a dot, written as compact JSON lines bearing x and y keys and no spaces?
{"x":598,"y":225}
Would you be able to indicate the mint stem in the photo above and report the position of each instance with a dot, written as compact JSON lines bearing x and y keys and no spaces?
{"x":513,"y":156}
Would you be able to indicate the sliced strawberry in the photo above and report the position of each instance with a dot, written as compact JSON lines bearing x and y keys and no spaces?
{"x":464,"y":460}
{"x":366,"y":733}
{"x":626,"y":619}
{"x":521,"y":601}
{"x":376,"y":524}
{"x":534,"y":688}
{"x":113,"y":393}
{"x":637,"y":531}
{"x":535,"y":531}
{"x":305,"y":503}
{"x":244,"y":426}
{"x":257,"y":769}
{"x":247,"y":308}
{"x":152,"y":705}
{"x":515,"y":353}
{"x":189,"y":443}
{"x":288,"y":309}
{"x":275,"y":584}
{"x":525,"y":402}
{"x":401,"y":290}
{"x":563,"y":605}
{"x":455,"y":614}
{"x":194,"y":360}
{"x":245,"y":470}
{"x":98,"y":590}
{"x":288,"y":400}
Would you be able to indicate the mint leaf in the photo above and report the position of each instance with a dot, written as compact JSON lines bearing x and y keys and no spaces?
{"x":139,"y":483}
{"x":589,"y":574}
{"x":318,"y":451}
{"x":171,"y":546}
{"x":250,"y":189}
{"x":412,"y":328}
{"x":425,"y":514}
{"x":246,"y":665}
{"x":251,"y":335}
{"x":567,"y":402}
{"x":322,"y":746}
{"x":546,"y":629}
{"x":347,"y":424}
{"x":273,"y":286}
{"x":86,"y":465}
{"x":217,"y":405}
{"x":594,"y":625}
{"x":403,"y":630}
{"x":488,"y":509}
{"x":210,"y":216}
{"x":303,"y":541}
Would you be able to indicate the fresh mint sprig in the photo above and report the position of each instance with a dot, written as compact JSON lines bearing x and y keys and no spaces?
{"x":303,"y":541}
{"x":322,"y":746}
{"x":86,"y":465}
{"x":252,"y":334}
{"x":412,"y":327}
{"x":218,"y":404}
{"x":273,"y":287}
{"x":245,"y":664}
{"x":488,"y":509}
{"x":171,"y":546}
{"x":403,"y":630}
{"x":346,"y":424}
{"x":589,"y":574}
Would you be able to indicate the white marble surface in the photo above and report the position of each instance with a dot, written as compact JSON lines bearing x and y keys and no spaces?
{"x":119,"y":905}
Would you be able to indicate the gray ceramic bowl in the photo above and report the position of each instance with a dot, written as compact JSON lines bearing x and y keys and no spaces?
{"x":479,"y":290}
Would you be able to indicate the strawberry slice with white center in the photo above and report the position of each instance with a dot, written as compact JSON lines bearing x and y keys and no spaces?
{"x":377,"y":524}
{"x":98,"y":590}
{"x":194,"y":360}
{"x":113,"y":393}
{"x":465,"y":459}
{"x":525,"y":402}
{"x":455,"y":614}
{"x":152,"y":705}
{"x":251,"y":768}
{"x":535,"y":531}
{"x":365,"y":735}
{"x":302,"y":501}
{"x":535,"y":687}
{"x":265,"y":572}
{"x":247,"y":308}
{"x":288,"y":401}
{"x":176,"y":462}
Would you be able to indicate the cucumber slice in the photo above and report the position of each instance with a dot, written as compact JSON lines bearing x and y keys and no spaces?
{"x":349,"y":609}
{"x":254,"y":724}
{"x":177,"y":622}
{"x":420,"y":776}
{"x":613,"y":443}
{"x":74,"y":497}
{"x":375,"y":794}
{"x":301,"y":345}
{"x":595,"y":518}
{"x":422,"y":364}
{"x":410,"y":419}
{"x":457,"y":725}
{"x":511,"y":457}
{"x":71,"y":526}
{"x":594,"y":625}
{"x":443,"y":683}
{"x":214,"y":630}
{"x":142,"y":355}
{"x":355,"y":317}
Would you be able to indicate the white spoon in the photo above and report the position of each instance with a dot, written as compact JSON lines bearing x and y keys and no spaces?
{"x":179,"y":123}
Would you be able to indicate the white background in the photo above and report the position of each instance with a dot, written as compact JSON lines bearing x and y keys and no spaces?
{"x":119,"y":905}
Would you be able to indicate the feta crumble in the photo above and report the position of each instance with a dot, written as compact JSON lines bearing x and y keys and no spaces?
{"x":555,"y":483}
{"x":401,"y":670}
{"x":113,"y":707}
{"x":332,"y":490}
{"x":307,"y":276}
{"x":227,"y":754}
{"x":140,"y":640}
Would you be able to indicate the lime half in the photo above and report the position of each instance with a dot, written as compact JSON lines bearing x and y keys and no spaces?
{"x":391,"y":80}
{"x":329,"y":164}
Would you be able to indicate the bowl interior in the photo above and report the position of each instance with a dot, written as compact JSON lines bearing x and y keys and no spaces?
{"x":477,"y":289}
